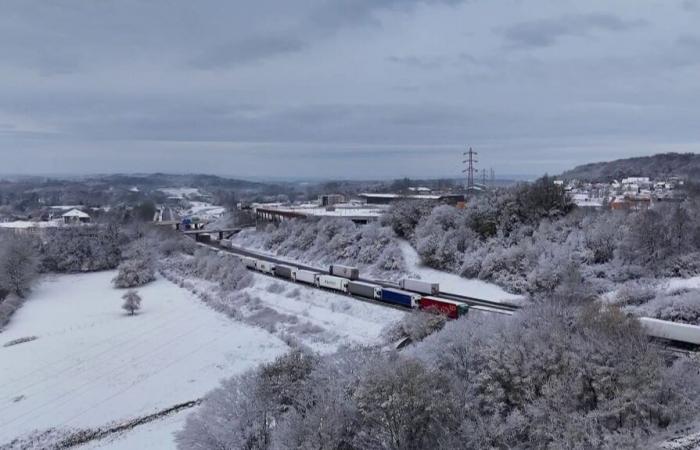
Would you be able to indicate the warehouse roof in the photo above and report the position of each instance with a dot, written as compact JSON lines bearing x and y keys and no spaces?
{"x":76,"y":213}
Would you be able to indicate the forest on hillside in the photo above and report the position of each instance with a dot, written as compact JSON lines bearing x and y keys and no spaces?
{"x":685,"y":165}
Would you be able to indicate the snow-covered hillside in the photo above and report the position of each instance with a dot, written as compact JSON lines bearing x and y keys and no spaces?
{"x":453,"y":283}
{"x":91,"y":364}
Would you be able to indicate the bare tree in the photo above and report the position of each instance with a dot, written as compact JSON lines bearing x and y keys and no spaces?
{"x":132,"y":302}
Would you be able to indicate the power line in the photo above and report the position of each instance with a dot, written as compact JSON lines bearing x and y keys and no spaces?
{"x":470,"y":161}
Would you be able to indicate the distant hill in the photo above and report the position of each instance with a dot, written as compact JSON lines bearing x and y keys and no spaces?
{"x":686,"y":165}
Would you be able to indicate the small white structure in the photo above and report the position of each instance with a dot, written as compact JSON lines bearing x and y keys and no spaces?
{"x":75,"y":216}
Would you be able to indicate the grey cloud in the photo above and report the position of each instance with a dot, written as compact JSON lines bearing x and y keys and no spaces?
{"x":276,"y":87}
{"x":349,"y":12}
{"x":546,"y":32}
{"x":432,"y":62}
{"x":246,"y":51}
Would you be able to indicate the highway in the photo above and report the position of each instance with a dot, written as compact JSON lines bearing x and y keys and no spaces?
{"x":473,"y":302}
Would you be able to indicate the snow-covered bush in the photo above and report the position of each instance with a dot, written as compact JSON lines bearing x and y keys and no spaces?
{"x":683,"y":307}
{"x":636,"y":292}
{"x":139,"y":268}
{"x":414,"y":326}
{"x":222,"y":268}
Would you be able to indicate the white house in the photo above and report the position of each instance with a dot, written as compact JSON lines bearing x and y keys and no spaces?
{"x":75,"y":216}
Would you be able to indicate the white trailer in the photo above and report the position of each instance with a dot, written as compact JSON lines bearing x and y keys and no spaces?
{"x":306,"y":276}
{"x":249,"y":262}
{"x":332,"y":282}
{"x":673,"y":331}
{"x":423,"y":287}
{"x":265,"y":266}
{"x":351,"y":273}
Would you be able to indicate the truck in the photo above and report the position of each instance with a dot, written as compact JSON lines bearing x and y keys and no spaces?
{"x":351,"y":273}
{"x":399,"y":297}
{"x":449,"y":308}
{"x":287,"y":272}
{"x":306,"y":276}
{"x":265,"y":266}
{"x":225,"y":242}
{"x":366,"y":290}
{"x":423,"y":287}
{"x":249,"y":262}
{"x":332,"y":282}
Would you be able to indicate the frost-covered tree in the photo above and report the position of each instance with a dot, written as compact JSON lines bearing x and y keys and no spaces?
{"x":139,"y":267}
{"x":404,"y":216}
{"x":242,"y":412}
{"x":132,"y":302}
{"x":403,"y":405}
{"x":82,"y":249}
{"x":18,"y":265}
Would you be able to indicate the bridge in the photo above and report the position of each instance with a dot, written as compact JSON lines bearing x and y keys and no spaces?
{"x":220,"y":233}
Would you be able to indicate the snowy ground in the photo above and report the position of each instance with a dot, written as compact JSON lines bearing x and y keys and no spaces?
{"x":453,"y":283}
{"x":674,"y":284}
{"x":92,"y":364}
{"x":322,"y":320}
{"x":181,"y":192}
{"x":204,"y":210}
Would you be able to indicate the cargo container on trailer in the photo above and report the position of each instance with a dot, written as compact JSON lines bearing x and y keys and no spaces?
{"x":249,"y":262}
{"x":424,"y":287}
{"x":363,"y":289}
{"x":306,"y":276}
{"x":450,"y":308}
{"x":398,"y":297}
{"x":351,"y":273}
{"x":287,"y":272}
{"x":332,"y":282}
{"x":264,"y":266}
{"x":674,"y":331}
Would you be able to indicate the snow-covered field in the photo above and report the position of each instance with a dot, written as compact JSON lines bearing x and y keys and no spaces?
{"x":453,"y":283}
{"x":91,"y":364}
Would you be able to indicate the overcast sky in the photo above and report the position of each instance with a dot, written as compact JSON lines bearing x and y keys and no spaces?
{"x":354,"y":89}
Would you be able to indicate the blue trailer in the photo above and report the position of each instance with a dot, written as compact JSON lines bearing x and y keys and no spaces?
{"x":398,"y":297}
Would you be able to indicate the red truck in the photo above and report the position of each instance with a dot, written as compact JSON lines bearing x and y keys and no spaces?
{"x":450,"y":308}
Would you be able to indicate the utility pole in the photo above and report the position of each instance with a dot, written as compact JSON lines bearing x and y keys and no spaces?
{"x":493,"y":178}
{"x":470,"y":169}
{"x":483,"y":178}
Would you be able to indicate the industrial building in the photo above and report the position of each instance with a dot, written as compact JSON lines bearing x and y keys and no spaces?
{"x":387,"y":199}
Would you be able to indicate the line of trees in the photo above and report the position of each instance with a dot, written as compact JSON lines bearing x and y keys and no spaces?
{"x":332,"y":240}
